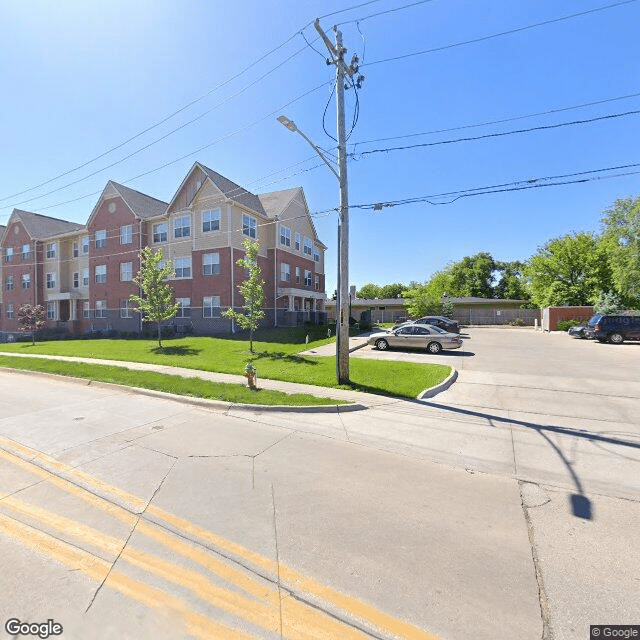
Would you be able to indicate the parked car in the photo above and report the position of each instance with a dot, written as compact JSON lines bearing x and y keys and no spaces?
{"x":416,"y":336}
{"x":615,"y":328}
{"x":578,"y":331}
{"x":438,"y":321}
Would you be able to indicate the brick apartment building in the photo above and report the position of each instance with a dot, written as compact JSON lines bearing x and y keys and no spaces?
{"x":82,"y":274}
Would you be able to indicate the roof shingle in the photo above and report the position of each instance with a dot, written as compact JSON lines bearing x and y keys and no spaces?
{"x":234,"y":192}
{"x":39,"y":226}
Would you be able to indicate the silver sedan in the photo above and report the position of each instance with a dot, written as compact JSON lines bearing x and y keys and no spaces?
{"x":416,"y":336}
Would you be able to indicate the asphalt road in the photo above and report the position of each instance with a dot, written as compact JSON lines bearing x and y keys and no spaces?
{"x":506,"y":507}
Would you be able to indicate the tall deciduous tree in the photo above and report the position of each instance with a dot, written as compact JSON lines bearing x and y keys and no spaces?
{"x":252,"y":290}
{"x":369,"y":292}
{"x":473,"y":276}
{"x":425,"y":299}
{"x":157,"y":303}
{"x":621,"y":240}
{"x":31,"y":319}
{"x":570,"y":270}
{"x":511,"y":283}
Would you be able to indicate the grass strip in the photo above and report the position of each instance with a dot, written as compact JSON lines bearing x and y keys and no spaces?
{"x":193,"y":387}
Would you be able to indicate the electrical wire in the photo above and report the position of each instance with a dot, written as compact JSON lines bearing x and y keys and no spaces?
{"x":501,"y":121}
{"x":498,"y":35}
{"x":498,"y":134}
{"x":382,"y":13}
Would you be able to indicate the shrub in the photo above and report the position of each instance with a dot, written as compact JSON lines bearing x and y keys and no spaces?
{"x":518,"y":322}
{"x":565,"y":325}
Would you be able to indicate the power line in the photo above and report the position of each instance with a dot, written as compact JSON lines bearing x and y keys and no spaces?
{"x":497,"y":135}
{"x":501,"y":121}
{"x":382,"y":13}
{"x":498,"y":35}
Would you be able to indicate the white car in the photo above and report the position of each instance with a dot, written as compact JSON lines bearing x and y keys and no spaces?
{"x":416,"y":336}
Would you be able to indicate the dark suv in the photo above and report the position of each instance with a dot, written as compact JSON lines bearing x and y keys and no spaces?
{"x":615,"y":328}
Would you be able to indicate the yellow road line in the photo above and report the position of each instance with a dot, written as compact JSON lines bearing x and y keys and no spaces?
{"x":350,"y":605}
{"x":197,"y":625}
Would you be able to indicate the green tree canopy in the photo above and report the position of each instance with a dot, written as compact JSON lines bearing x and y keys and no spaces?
{"x":31,"y":319}
{"x":472,"y":276}
{"x":369,"y":292}
{"x":511,"y":283}
{"x":252,"y":290}
{"x":157,"y":302}
{"x":621,"y":240}
{"x":571,"y":270}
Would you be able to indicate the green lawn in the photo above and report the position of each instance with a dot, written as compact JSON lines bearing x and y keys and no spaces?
{"x":193,"y":387}
{"x":276,"y":358}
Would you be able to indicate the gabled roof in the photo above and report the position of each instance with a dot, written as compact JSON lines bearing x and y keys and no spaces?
{"x":39,"y":226}
{"x":233,"y":191}
{"x":141,"y":205}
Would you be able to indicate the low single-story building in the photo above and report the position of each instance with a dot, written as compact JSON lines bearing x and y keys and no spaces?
{"x":552,"y":315}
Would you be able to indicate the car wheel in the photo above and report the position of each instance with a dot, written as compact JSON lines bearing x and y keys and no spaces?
{"x":616,"y":338}
{"x":382,"y":344}
{"x":434,"y":347}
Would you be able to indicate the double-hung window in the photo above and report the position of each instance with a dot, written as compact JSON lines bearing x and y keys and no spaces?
{"x":126,"y":271}
{"x":26,"y":280}
{"x":126,"y":311}
{"x":182,"y":267}
{"x":76,"y":280}
{"x":101,"y":308}
{"x":316,"y":253}
{"x":51,"y":280}
{"x":285,"y":236}
{"x":185,"y":308}
{"x":51,"y":310}
{"x":285,"y":271}
{"x":316,"y":284}
{"x":101,"y":239}
{"x":10,"y":312}
{"x":160,"y":232}
{"x":182,"y":227}
{"x":75,"y":250}
{"x":298,"y":275}
{"x":85,"y":277}
{"x":101,"y":273}
{"x":308,"y":246}
{"x":307,"y":278}
{"x":86,"y":309}
{"x":26,"y":251}
{"x":8,"y":254}
{"x":297,"y":242}
{"x":211,"y":307}
{"x":85,"y":244}
{"x":8,"y":283}
{"x":52,"y":249}
{"x":126,"y":234}
{"x":210,"y":264}
{"x":211,"y":220}
{"x":249,"y":226}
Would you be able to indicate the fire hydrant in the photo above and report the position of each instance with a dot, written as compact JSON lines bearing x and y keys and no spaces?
{"x":251,"y":374}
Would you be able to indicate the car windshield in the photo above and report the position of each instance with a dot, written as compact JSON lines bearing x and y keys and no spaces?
{"x":595,"y":319}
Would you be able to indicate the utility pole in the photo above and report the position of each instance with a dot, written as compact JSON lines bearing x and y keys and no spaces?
{"x":342,"y":304}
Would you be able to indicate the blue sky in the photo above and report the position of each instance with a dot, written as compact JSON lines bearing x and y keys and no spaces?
{"x":78,"y":78}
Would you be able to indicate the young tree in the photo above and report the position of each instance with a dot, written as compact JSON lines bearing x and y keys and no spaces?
{"x":31,"y":319}
{"x":608,"y":303}
{"x":252,"y":290}
{"x":157,"y":302}
{"x":426,"y":299}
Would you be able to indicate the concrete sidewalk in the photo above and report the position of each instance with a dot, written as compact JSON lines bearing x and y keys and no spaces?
{"x":355,"y":343}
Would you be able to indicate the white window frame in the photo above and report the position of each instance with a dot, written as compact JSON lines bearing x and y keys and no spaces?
{"x":298,"y":275}
{"x":26,"y":280}
{"x":126,"y":271}
{"x":285,"y":236}
{"x":51,"y":280}
{"x":75,"y":251}
{"x":316,"y":283}
{"x":86,"y":309}
{"x":160,"y":232}
{"x":285,"y":272}
{"x":185,"y":308}
{"x":307,"y":278}
{"x":26,"y":254}
{"x":211,"y":307}
{"x":10,"y":311}
{"x":316,"y":254}
{"x":126,"y":234}
{"x":249,"y":226}
{"x":8,"y":254}
{"x":101,"y":239}
{"x":210,"y":264}
{"x":126,"y":311}
{"x":85,"y":277}
{"x":180,"y":266}
{"x":85,"y":244}
{"x":8,"y":283}
{"x":76,"y":280}
{"x":298,"y":240}
{"x":101,"y":309}
{"x":180,"y":229}
{"x":51,"y":310}
{"x":308,"y":244}
{"x":52,"y":250}
{"x":211,"y":220}
{"x":100,"y":275}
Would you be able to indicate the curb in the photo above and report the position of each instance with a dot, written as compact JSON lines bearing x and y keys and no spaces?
{"x":198,"y":402}
{"x":359,"y":346}
{"x":443,"y":386}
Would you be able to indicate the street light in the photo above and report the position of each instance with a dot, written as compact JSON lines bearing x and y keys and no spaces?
{"x":342,"y":323}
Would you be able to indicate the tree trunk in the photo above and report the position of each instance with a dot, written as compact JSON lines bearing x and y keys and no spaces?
{"x":251,"y":341}
{"x":159,"y":336}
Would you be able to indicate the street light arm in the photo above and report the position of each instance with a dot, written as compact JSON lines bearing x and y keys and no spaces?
{"x":319,"y":152}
